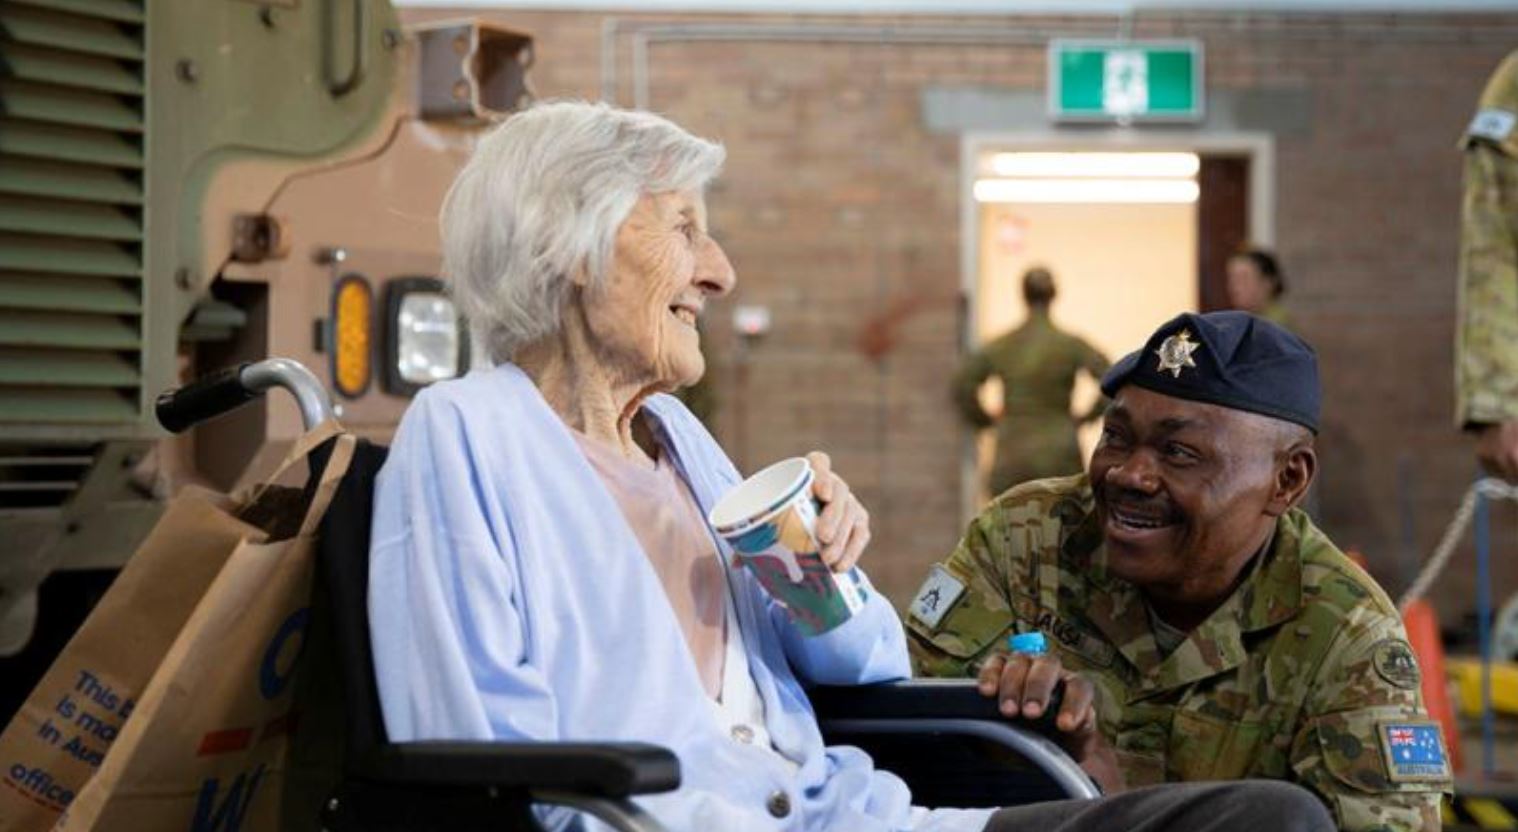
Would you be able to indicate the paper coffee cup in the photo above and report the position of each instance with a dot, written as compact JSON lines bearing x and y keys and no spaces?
{"x":770,"y":520}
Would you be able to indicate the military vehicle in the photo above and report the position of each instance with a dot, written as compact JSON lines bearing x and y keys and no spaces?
{"x":190,"y":184}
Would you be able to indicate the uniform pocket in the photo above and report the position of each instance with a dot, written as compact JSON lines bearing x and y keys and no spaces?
{"x":953,"y":621}
{"x":1211,"y":748}
{"x":965,"y":632}
{"x":1353,"y":750}
{"x":1344,"y":761}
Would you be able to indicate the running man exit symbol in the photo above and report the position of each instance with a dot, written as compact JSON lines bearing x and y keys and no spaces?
{"x":1125,"y":82}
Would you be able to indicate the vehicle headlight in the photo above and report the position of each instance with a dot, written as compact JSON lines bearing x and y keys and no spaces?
{"x":425,"y":338}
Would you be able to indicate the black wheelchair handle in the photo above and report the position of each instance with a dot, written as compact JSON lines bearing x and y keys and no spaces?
{"x":206,"y":397}
{"x":1044,"y":723}
{"x":224,"y":390}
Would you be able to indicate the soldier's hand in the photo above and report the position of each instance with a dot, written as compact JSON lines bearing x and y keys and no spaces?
{"x":1497,"y":448}
{"x":1023,"y":684}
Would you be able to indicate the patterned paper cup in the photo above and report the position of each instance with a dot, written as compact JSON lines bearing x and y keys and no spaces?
{"x":770,"y":521}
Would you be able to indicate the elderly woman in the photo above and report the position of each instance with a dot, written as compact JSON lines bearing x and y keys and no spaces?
{"x":541,"y":567}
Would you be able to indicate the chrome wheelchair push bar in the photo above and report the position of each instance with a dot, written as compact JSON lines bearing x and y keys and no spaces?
{"x":210,"y":396}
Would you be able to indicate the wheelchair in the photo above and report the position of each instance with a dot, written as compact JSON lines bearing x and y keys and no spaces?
{"x":949,"y":743}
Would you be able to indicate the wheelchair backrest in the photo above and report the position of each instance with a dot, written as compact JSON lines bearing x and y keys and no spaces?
{"x":344,"y":573}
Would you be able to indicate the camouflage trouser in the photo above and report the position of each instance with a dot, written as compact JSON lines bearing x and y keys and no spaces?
{"x":1243,"y":806}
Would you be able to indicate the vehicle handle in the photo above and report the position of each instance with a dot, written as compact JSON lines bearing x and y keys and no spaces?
{"x":340,"y":87}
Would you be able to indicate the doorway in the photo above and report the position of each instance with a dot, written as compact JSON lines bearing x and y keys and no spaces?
{"x":1135,"y":229}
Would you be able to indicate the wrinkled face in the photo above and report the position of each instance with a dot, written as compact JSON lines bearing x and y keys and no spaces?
{"x":663,"y":270}
{"x":1183,"y":491}
{"x":1248,"y":289}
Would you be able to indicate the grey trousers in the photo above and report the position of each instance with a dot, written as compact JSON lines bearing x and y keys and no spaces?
{"x":1243,"y":806}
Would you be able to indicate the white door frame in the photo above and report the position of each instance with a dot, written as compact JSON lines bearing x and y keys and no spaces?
{"x":1258,"y":147}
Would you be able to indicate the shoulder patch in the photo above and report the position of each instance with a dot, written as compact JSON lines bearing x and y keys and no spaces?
{"x":1492,"y":124}
{"x":1414,"y":751}
{"x":936,"y":597}
{"x":1394,"y":662}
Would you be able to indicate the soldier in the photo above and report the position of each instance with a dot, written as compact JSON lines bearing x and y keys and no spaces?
{"x":1486,"y":370}
{"x":1225,"y":635}
{"x":1037,"y":364}
{"x":1256,"y":284}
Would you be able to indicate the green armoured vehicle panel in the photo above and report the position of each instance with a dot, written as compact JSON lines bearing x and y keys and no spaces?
{"x":115,"y":117}
{"x":182,"y":184}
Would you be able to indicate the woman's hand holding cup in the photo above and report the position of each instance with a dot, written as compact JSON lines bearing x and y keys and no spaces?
{"x":843,"y":527}
{"x":800,"y":530}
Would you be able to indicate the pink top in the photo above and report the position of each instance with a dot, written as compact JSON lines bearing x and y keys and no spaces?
{"x":668,"y":524}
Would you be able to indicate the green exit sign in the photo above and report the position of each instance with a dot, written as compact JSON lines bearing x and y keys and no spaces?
{"x":1125,"y":81}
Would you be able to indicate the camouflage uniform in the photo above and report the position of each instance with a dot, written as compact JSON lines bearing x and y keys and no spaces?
{"x":1486,"y":369}
{"x":1294,"y":677}
{"x":1036,"y":363}
{"x":1275,"y":312}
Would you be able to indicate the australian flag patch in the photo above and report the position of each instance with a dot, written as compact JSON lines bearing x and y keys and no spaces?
{"x":1414,"y":751}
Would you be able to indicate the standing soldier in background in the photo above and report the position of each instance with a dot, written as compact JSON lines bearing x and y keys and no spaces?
{"x":1486,"y":347}
{"x":1037,"y":364}
{"x":1256,"y":284}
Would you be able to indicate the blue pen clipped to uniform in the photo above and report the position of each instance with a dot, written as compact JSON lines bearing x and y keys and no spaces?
{"x":1034,"y":644}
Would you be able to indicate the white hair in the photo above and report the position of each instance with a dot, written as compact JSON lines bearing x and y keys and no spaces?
{"x":542,"y":198}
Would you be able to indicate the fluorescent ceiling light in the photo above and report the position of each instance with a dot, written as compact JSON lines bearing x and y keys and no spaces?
{"x":1108,"y":165}
{"x":1087,"y":190}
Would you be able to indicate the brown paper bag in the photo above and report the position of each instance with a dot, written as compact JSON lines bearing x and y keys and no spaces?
{"x":62,"y":734}
{"x":206,"y":747}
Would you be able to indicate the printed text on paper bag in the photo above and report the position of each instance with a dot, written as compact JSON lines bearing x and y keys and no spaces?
{"x":84,"y":722}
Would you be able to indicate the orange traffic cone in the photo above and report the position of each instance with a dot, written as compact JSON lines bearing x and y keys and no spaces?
{"x":1422,"y":625}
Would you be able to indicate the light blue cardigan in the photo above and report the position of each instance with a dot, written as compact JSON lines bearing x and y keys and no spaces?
{"x":509,"y":599}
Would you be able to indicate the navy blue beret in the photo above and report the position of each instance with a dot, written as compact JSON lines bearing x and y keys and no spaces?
{"x":1232,"y":359}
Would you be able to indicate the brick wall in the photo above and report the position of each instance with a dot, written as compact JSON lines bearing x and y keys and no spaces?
{"x":840,"y":210}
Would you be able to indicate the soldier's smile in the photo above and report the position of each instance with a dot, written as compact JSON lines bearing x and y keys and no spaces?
{"x":1130,"y":519}
{"x":1136,"y":525}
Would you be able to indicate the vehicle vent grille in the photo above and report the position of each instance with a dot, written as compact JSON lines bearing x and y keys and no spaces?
{"x":71,"y":212}
{"x":42,"y":477}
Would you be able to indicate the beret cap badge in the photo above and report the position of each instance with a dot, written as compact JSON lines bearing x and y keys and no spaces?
{"x":1175,"y":353}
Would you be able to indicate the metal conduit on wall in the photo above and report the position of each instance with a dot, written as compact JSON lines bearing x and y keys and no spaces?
{"x":642,"y":36}
{"x":1377,"y":28}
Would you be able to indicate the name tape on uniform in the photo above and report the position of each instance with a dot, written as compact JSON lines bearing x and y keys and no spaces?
{"x":936,"y":597}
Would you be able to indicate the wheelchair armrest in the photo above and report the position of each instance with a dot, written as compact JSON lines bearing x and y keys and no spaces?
{"x":938,"y":707}
{"x":922,"y":698}
{"x":909,"y":699}
{"x":612,"y":770}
